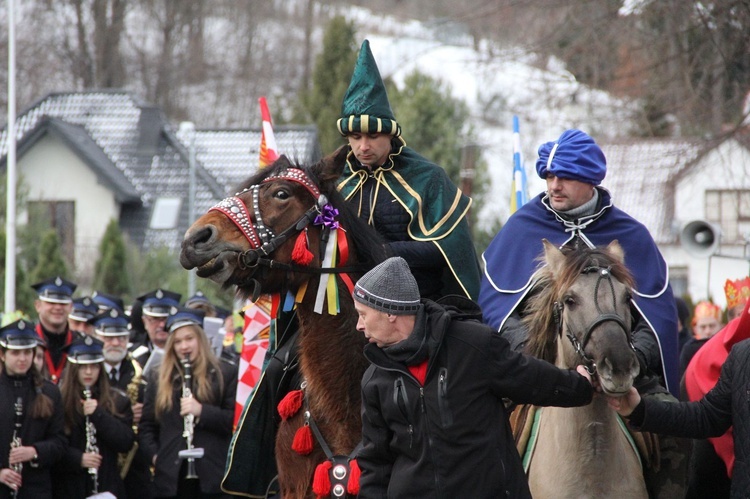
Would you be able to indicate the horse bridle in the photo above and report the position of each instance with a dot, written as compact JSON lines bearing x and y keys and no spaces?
{"x":605,"y":274}
{"x":263,"y":241}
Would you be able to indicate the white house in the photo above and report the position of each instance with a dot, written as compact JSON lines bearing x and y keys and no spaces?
{"x":668,"y":183}
{"x":86,"y":158}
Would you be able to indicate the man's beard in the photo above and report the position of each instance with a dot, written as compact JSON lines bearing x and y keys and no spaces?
{"x":115,"y":355}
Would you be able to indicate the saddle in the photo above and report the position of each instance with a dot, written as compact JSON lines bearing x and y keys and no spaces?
{"x":523,"y":424}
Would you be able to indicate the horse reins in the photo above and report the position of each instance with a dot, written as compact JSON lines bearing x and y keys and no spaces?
{"x":605,"y":274}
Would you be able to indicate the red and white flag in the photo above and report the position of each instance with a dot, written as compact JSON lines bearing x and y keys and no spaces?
{"x":268,"y":150}
{"x":254,"y":346}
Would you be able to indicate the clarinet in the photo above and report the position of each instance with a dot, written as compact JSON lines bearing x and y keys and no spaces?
{"x":188,"y":419}
{"x":91,"y":444}
{"x":16,"y":441}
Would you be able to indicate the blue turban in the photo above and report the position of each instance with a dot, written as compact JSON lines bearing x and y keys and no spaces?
{"x":574,"y":156}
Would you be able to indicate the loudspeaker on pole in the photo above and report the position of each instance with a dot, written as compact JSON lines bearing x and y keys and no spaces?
{"x":700,"y":238}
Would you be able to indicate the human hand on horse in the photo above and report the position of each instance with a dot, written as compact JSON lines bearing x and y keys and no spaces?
{"x":593,"y":381}
{"x":626,"y":404}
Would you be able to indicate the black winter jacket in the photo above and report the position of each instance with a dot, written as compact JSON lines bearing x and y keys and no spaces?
{"x":114,"y":434}
{"x":451,"y":437}
{"x":46,"y":435}
{"x":727,"y":404}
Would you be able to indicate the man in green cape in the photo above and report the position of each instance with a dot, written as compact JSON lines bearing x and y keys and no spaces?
{"x":409,"y":200}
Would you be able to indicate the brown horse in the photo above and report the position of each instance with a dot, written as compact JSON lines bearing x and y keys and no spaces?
{"x":257,"y":241}
{"x":581,"y":315}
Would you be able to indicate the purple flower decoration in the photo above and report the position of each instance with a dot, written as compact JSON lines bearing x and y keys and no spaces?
{"x":327,"y":217}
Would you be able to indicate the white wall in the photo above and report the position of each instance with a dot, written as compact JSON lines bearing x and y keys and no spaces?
{"x":727,"y":167}
{"x":52,"y":172}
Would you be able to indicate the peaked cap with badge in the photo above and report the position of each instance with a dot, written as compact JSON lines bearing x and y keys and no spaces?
{"x":18,"y":335}
{"x":111,"y":323}
{"x":85,"y":350}
{"x":106,"y":301}
{"x":84,"y":309}
{"x":181,"y":317}
{"x":436,"y":207}
{"x":55,"y":290}
{"x":159,"y":302}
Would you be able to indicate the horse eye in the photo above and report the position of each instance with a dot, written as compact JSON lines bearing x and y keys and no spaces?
{"x":569,"y":301}
{"x":281,"y":194}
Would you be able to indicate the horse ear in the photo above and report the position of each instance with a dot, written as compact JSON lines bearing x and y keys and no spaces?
{"x":616,"y":251}
{"x":332,"y":165}
{"x":553,"y":256}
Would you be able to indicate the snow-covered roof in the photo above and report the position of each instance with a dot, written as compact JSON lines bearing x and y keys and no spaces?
{"x":640,"y":176}
{"x":136,"y":151}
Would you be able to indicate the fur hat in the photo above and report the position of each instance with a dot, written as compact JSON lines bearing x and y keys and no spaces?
{"x":573,"y":156}
{"x":390,"y":287}
{"x":366,"y":108}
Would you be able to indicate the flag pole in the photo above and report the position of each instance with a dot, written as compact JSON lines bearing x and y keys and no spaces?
{"x":10,"y":221}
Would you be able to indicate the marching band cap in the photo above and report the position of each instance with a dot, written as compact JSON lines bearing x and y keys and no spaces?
{"x":55,"y":290}
{"x":106,"y":301}
{"x":111,"y":323}
{"x":84,"y":309}
{"x":85,"y":350}
{"x":365,"y":108}
{"x":180,"y":317}
{"x":159,"y":302}
{"x":197,"y":299}
{"x":19,"y":335}
{"x":573,"y":156}
{"x":389,"y":287}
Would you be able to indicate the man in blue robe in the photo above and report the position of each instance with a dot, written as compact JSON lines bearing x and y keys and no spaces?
{"x":576,"y":210}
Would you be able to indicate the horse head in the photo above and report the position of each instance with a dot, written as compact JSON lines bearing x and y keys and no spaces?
{"x":272,"y":233}
{"x":587,"y":297}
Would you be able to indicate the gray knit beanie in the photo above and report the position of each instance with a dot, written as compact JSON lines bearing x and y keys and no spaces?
{"x":390,"y":287}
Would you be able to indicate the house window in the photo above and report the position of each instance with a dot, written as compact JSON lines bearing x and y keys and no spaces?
{"x":730,"y":210}
{"x":678,"y":279}
{"x":58,"y":215}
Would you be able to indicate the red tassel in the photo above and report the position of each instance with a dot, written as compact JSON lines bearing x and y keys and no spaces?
{"x":321,"y":485}
{"x":290,"y":404}
{"x":301,"y":253}
{"x":352,"y":486}
{"x":303,"y":441}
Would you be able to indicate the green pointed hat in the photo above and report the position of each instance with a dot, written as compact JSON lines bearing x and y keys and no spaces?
{"x":366,"y":108}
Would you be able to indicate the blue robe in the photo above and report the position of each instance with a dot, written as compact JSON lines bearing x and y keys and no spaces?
{"x":511,"y":259}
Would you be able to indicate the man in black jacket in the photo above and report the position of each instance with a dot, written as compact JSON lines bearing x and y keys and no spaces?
{"x":433,"y":419}
{"x":724,"y":406}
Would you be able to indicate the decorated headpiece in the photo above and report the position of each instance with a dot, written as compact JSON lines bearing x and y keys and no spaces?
{"x":366,"y":108}
{"x":706,"y":310}
{"x":85,"y":350}
{"x":737,"y":292}
{"x":573,"y":156}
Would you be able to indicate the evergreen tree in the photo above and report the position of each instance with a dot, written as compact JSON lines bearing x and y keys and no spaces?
{"x":331,"y":75}
{"x":111,"y":274}
{"x":50,"y":262}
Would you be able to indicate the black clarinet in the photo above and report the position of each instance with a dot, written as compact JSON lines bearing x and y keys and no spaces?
{"x":16,"y":441}
{"x":91,"y":446}
{"x":188,"y":419}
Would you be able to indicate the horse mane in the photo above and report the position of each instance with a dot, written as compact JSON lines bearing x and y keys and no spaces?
{"x":548,"y":288}
{"x":364,"y":240}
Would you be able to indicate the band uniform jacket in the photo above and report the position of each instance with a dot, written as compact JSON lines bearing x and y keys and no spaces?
{"x":114,"y":434}
{"x":46,"y":435}
{"x":213,"y":431}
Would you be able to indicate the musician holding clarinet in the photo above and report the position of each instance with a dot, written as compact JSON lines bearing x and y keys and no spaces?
{"x":188,"y":412}
{"x":31,"y":418}
{"x":98,"y":424}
